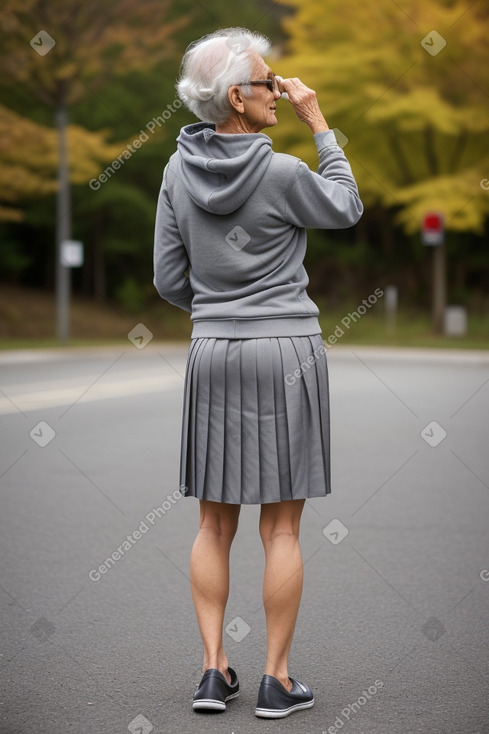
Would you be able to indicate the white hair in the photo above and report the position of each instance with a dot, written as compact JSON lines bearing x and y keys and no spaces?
{"x":213,"y":64}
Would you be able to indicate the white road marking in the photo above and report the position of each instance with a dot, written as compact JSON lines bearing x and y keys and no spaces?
{"x":56,"y":393}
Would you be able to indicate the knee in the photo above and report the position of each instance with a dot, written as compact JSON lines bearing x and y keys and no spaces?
{"x":281,"y":520}
{"x":222,"y":522}
{"x":222,"y":531}
{"x":269,"y":532}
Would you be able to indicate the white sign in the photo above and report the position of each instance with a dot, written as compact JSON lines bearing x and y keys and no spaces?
{"x":72,"y":253}
{"x":432,"y":238}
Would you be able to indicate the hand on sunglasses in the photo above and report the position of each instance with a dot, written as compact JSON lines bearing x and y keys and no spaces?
{"x":304,"y":101}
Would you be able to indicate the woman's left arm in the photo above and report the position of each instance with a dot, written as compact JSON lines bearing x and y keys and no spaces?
{"x":170,"y":256}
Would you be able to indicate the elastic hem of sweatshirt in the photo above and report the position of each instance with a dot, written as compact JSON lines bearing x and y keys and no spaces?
{"x":256,"y":328}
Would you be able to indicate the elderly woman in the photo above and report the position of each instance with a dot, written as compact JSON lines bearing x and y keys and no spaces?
{"x":230,"y":241}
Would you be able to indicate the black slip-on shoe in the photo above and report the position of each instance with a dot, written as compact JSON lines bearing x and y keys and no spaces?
{"x":275,"y":701}
{"x":214,"y":690}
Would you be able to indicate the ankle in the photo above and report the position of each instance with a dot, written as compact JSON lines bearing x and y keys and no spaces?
{"x":283,"y":679}
{"x":220,"y":664}
{"x":286,"y":683}
{"x":223,"y":669}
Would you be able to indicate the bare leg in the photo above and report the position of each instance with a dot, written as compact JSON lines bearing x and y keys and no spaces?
{"x":209,"y":576}
{"x":282,"y":582}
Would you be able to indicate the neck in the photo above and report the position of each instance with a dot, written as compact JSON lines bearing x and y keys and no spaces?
{"x":234,"y":125}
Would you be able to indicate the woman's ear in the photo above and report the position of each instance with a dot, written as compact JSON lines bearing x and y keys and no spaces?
{"x":236,"y":99}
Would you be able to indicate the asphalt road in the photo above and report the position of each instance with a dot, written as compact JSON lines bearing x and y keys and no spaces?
{"x":392,"y":634}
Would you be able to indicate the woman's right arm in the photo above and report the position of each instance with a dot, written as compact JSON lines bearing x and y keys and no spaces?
{"x":305,"y":104}
{"x":328,"y":199}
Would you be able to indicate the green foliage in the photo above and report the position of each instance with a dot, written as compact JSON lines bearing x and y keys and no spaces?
{"x":131,"y":295}
{"x":12,"y":261}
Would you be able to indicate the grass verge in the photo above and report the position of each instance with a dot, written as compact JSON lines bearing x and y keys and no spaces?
{"x":28,"y":318}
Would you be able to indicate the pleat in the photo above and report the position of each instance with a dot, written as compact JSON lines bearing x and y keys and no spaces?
{"x":184,"y":447}
{"x":299,"y":409}
{"x":322,"y":387}
{"x":208,"y":446}
{"x":282,"y":429}
{"x":297,"y":448}
{"x":317,"y":428}
{"x":201,"y":399}
{"x":267,"y":432}
{"x":187,"y":455}
{"x":250,"y":469}
{"x":232,"y":430}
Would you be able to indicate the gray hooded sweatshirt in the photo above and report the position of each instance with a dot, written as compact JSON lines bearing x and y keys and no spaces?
{"x":230,"y":234}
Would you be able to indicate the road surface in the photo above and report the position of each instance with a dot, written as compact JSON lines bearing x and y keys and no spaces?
{"x":98,"y":627}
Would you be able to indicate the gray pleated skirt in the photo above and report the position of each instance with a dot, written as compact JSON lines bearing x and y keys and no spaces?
{"x":255,"y":424}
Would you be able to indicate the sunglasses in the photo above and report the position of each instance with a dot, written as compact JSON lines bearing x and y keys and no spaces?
{"x":271,"y":84}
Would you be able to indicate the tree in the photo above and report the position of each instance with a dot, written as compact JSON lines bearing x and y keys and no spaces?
{"x":406,"y":85}
{"x":29,"y":160}
{"x":23,"y":145}
{"x":116,"y":222}
{"x":76,"y":47}
{"x":415,"y":112}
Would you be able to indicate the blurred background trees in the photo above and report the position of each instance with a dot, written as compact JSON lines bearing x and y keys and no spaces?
{"x":416,"y":116}
{"x":416,"y":123}
{"x":114,"y":65}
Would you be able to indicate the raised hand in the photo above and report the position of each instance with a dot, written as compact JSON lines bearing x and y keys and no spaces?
{"x":304,"y":102}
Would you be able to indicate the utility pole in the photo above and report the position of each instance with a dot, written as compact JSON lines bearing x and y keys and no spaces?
{"x":63,"y":230}
{"x":439,"y":287}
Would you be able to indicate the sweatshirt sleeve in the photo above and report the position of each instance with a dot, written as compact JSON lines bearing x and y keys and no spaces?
{"x":328,"y":199}
{"x":170,"y":256}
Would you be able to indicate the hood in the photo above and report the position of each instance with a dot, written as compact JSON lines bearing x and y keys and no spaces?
{"x":219,"y":171}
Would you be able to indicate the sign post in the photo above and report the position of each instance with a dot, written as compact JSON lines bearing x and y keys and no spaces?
{"x":70,"y":256}
{"x":390,"y":301}
{"x":433,"y":235}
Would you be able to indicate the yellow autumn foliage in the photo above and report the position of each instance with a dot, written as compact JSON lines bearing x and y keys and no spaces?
{"x":85,"y":46}
{"x":406,"y":83}
{"x":29,"y":159}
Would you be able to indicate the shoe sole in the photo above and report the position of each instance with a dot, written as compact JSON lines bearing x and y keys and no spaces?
{"x":212,"y":704}
{"x":281,"y":713}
